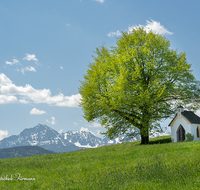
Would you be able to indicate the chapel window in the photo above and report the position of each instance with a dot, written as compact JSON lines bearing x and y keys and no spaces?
{"x":198,"y":132}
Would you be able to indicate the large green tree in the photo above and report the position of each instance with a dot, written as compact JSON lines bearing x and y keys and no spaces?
{"x":131,"y":87}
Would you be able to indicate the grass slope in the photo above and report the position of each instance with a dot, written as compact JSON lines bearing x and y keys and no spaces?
{"x":121,"y":166}
{"x":23,"y":151}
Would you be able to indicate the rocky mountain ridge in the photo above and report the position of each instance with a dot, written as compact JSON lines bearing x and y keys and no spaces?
{"x":48,"y":138}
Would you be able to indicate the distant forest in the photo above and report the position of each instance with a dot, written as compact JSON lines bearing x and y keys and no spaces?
{"x":23,"y":151}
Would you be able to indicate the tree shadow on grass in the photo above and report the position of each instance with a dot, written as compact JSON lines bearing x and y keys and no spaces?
{"x":160,"y":141}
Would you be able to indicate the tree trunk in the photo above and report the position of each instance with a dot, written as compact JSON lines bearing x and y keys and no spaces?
{"x":144,"y":139}
{"x":144,"y":130}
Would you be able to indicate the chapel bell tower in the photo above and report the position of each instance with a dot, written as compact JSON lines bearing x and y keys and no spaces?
{"x":180,"y":109}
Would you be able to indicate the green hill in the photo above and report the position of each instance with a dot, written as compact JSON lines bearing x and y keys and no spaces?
{"x":23,"y":151}
{"x":159,"y":165}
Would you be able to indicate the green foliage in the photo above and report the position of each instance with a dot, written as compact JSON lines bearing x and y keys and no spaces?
{"x":189,"y":137}
{"x":131,"y":87}
{"x":122,"y":166}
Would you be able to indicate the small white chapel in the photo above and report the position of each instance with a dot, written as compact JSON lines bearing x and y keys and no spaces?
{"x":184,"y":122}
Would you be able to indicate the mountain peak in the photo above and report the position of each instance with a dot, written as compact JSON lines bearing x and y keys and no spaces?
{"x":38,"y":129}
{"x":41,"y":124}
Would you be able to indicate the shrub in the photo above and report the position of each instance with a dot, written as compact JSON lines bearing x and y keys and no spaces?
{"x":189,"y":137}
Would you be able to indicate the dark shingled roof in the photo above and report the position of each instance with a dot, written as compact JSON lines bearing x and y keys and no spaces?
{"x":191,"y":117}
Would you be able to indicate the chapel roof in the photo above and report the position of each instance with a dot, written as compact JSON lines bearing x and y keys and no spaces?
{"x":189,"y":115}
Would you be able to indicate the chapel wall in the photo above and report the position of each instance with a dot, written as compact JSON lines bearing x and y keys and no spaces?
{"x":177,"y":123}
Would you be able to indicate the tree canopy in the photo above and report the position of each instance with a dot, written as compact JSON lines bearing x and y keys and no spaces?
{"x":133,"y":86}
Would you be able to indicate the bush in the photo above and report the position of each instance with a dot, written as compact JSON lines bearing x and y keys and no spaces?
{"x":189,"y":137}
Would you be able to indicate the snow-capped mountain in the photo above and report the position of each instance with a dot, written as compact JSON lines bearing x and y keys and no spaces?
{"x":46,"y":137}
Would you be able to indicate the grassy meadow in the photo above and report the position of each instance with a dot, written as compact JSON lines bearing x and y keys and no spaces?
{"x":159,"y":165}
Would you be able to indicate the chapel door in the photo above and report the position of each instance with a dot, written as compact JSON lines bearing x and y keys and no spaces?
{"x":180,"y":134}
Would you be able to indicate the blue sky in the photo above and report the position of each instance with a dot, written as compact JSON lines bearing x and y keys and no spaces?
{"x":46,"y":46}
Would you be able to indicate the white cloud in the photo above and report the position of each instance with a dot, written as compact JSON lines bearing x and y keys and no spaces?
{"x":154,"y":26}
{"x":35,"y":111}
{"x":4,"y":80}
{"x":26,"y":69}
{"x":66,"y":101}
{"x":30,"y":57}
{"x":53,"y":120}
{"x":150,"y":25}
{"x":30,"y":69}
{"x":61,"y":67}
{"x":68,"y":24}
{"x":100,"y":1}
{"x":98,"y":132}
{"x":15,"y":62}
{"x":22,"y":101}
{"x":75,"y":123}
{"x":9,"y":91}
{"x":21,"y":70}
{"x":198,"y":112}
{"x":9,"y":63}
{"x":112,"y":34}
{"x":84,"y":129}
{"x":5,"y":99}
{"x":94,"y":125}
{"x":3,"y":134}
